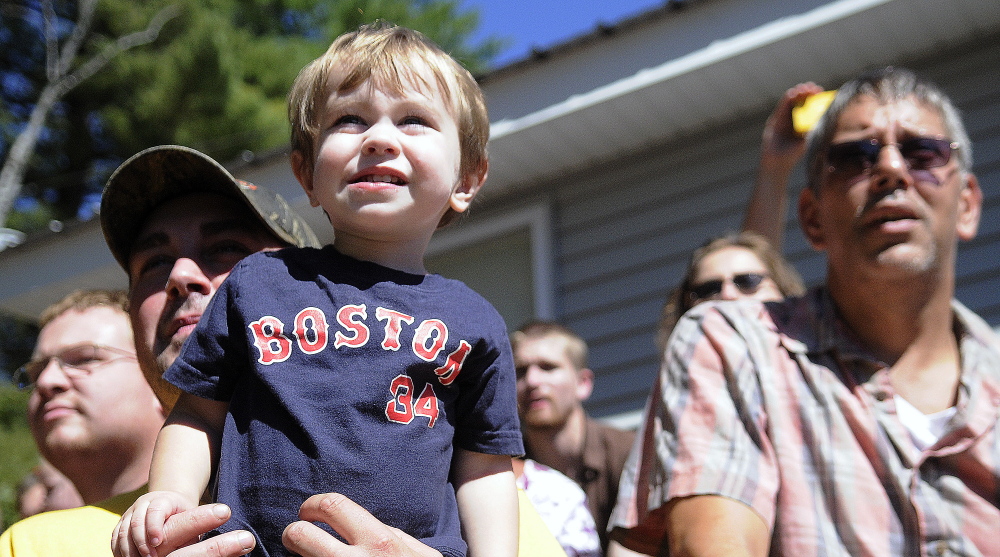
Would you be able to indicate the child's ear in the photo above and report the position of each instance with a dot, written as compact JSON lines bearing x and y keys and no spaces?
{"x":467,"y":189}
{"x":303,"y":173}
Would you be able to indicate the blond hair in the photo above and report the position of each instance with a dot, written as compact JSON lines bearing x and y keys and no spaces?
{"x":393,"y":57}
{"x":785,"y":276}
{"x":81,"y":300}
{"x":575,"y":346}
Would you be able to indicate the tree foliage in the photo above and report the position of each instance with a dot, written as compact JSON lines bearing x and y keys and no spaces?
{"x":65,"y":69}
{"x":20,"y":454}
{"x":215,"y":79}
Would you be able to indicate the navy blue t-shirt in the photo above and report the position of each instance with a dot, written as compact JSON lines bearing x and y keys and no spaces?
{"x":343,"y":375}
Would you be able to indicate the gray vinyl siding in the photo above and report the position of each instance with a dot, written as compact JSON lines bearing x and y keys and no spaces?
{"x":624,"y":236}
{"x":624,"y":230}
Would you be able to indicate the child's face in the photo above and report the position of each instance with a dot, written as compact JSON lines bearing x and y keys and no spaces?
{"x":387,"y":165}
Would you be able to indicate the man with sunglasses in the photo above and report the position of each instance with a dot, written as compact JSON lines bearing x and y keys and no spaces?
{"x":91,"y":413}
{"x":861,"y":418}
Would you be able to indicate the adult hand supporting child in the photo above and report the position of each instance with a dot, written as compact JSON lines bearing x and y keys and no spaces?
{"x":182,"y":531}
{"x":364,"y":533}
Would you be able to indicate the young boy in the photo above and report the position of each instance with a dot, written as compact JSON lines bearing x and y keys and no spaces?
{"x":349,"y":368}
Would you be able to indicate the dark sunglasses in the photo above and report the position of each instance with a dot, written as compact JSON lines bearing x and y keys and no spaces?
{"x":858,"y":157}
{"x":748,"y":283}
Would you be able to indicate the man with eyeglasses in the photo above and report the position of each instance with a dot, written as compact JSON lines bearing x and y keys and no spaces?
{"x":861,"y":418}
{"x":91,"y":412}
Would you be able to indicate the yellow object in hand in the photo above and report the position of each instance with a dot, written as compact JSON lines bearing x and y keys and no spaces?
{"x":805,"y":116}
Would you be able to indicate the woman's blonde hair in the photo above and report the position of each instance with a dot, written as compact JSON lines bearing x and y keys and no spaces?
{"x":680,"y":300}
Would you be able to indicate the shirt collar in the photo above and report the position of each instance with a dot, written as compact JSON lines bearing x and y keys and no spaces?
{"x":818,"y":329}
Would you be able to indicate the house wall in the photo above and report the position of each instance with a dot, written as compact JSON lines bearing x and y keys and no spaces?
{"x":609,"y":239}
{"x":623,"y":232}
{"x":645,"y":42}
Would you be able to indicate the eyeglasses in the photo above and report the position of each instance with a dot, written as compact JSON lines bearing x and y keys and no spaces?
{"x":748,"y":283}
{"x":75,"y":361}
{"x":858,"y":157}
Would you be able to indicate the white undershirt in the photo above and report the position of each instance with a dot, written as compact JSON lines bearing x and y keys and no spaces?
{"x":925,"y":429}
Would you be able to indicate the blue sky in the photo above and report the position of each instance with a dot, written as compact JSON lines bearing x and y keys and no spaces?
{"x":543,"y":23}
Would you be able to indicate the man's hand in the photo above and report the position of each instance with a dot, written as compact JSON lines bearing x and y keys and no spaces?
{"x":182,"y":532}
{"x":365,"y":534}
{"x":712,"y":525}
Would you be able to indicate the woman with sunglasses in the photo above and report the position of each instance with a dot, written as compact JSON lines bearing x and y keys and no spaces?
{"x":741,"y":265}
{"x":747,"y":264}
{"x":736,"y":266}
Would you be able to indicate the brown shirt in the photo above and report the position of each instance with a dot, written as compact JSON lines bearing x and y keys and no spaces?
{"x":605,"y":449}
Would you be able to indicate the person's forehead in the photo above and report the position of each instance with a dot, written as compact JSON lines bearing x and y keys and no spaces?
{"x":729,"y":260}
{"x":410,"y":95}
{"x":551,"y":347}
{"x":97,"y":325}
{"x":418,"y":83}
{"x":197,"y":209}
{"x":191,"y":217}
{"x":866,"y":112}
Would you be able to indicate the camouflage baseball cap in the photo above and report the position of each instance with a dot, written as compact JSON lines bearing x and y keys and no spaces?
{"x":161,"y":173}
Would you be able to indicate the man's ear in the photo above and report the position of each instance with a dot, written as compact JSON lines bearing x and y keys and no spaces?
{"x":584,"y":384}
{"x":302,"y":169}
{"x":809,"y":219}
{"x":467,"y":189}
{"x":970,"y":206}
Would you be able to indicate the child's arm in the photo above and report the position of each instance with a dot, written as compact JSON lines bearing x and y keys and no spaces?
{"x":180,"y":471}
{"x":188,"y":446}
{"x":487,"y":502}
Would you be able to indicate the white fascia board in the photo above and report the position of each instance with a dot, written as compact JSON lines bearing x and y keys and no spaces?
{"x":716,"y":52}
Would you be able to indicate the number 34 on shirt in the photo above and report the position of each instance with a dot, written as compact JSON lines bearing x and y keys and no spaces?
{"x":311,"y":335}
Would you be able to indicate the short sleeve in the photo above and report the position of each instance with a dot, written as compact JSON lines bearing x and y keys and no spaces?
{"x":704,"y":432}
{"x":487,"y":406}
{"x":216,"y":351}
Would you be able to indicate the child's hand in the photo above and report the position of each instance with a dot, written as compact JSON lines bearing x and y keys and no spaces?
{"x":140,"y":529}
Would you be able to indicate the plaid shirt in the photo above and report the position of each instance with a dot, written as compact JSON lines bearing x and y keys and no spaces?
{"x":778,"y":406}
